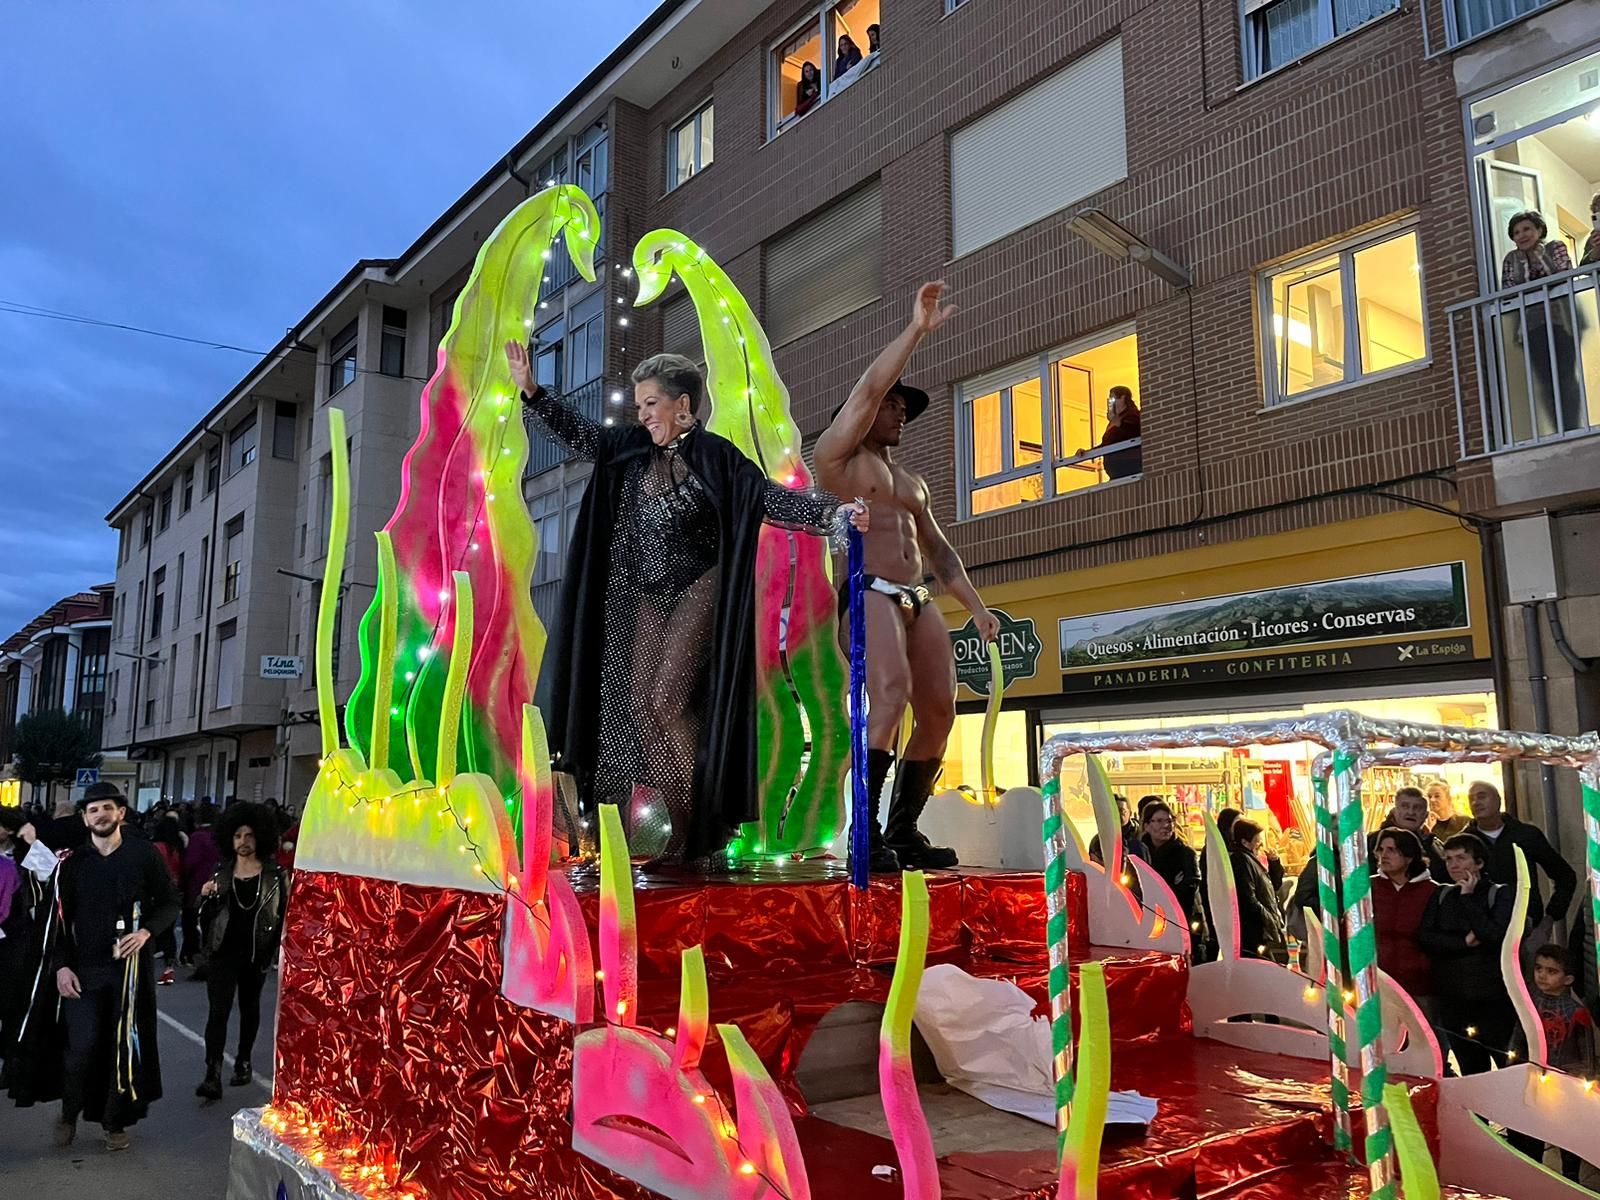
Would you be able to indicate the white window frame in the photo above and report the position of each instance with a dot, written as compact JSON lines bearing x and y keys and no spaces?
{"x":675,"y":175}
{"x":1274,"y":393}
{"x":1050,"y":456}
{"x":819,"y":18}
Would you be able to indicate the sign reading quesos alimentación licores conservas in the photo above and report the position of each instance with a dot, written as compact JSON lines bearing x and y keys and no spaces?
{"x":1363,"y":622}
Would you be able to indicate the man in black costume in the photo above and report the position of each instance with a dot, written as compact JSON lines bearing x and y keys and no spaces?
{"x":648,"y":686}
{"x":115,"y":896}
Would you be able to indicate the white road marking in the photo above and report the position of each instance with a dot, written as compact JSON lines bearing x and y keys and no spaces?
{"x":185,"y":1032}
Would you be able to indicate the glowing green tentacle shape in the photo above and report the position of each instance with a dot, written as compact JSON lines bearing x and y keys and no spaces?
{"x":800,"y":670}
{"x":461,"y":509}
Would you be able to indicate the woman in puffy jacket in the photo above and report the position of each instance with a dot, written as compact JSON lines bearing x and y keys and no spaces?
{"x":244,"y":904}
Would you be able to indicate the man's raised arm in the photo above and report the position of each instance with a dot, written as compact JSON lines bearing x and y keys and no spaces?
{"x":842,"y":438}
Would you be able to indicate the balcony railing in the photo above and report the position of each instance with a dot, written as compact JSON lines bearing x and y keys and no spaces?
{"x":545,"y":451}
{"x":1468,"y":20}
{"x":1531,"y":356}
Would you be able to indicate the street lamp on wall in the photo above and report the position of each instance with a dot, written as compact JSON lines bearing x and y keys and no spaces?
{"x":1107,"y":236}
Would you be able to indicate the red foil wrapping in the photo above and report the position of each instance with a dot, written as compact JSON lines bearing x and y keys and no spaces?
{"x":393,"y":1033}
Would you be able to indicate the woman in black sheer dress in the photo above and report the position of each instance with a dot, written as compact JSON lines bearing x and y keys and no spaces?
{"x":648,"y":684}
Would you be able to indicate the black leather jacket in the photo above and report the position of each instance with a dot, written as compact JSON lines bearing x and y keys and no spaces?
{"x":268,"y":914}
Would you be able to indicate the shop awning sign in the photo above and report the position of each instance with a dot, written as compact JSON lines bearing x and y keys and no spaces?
{"x":1019,"y":652}
{"x":1332,"y":624}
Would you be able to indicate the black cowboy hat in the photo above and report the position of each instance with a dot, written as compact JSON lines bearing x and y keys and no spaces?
{"x":916,"y":401}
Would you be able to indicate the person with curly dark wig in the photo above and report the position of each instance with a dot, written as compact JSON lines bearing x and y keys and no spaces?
{"x":245,"y":900}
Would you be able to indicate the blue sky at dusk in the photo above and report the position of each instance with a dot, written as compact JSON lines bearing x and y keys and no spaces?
{"x":211,"y":169}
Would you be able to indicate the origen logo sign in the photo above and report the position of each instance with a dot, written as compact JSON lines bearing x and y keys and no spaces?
{"x":1019,"y":652}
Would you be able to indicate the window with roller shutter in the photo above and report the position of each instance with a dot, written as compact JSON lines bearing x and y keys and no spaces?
{"x":1061,"y":140}
{"x":680,"y":329}
{"x":826,"y":268}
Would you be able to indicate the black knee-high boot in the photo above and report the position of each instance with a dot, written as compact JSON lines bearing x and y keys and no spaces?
{"x":879,"y":857}
{"x":912,"y":787}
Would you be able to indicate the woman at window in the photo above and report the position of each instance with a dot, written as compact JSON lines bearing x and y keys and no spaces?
{"x":1591,"y":244}
{"x":809,"y":90}
{"x":649,"y":680}
{"x":1544,"y":321}
{"x":849,"y":55}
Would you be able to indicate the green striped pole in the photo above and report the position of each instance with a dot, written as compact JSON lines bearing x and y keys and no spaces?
{"x":1055,"y":902}
{"x":1363,"y":950}
{"x":1590,"y":778}
{"x":1333,"y":987}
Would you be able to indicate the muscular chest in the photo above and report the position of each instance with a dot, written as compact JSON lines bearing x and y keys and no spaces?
{"x":886,"y":485}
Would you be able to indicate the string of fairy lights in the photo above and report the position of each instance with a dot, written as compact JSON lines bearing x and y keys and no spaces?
{"x":419,"y":789}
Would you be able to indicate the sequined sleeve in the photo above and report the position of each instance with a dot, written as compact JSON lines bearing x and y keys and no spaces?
{"x":794,"y":508}
{"x":578,"y":433}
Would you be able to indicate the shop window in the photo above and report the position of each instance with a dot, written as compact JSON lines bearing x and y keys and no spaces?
{"x":1277,"y":32}
{"x":1270,"y":784}
{"x":691,"y":145}
{"x":833,"y":47}
{"x":1056,"y":409}
{"x":1344,"y":316}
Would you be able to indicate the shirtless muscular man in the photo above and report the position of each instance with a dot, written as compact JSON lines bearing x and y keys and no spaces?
{"x":909,"y":656}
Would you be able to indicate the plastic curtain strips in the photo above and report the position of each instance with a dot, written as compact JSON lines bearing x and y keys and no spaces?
{"x":461,"y":509}
{"x":861,"y":802}
{"x":800,"y":720}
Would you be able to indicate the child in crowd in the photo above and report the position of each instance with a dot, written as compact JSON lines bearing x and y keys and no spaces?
{"x":1569,"y":1034}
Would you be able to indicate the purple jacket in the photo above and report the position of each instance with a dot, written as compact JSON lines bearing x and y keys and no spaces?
{"x":201,"y":858}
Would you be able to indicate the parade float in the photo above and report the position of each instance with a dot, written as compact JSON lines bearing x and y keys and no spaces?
{"x":469,"y":1009}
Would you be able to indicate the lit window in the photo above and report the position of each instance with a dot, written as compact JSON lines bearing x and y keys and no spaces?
{"x":690,"y":147}
{"x":1076,"y":409}
{"x":1343,"y":316}
{"x":1277,"y":32}
{"x":830,"y":50}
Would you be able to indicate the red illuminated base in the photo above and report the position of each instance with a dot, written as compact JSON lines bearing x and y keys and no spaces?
{"x":393,"y":1036}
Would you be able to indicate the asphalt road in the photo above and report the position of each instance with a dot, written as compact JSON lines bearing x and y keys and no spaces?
{"x":179,"y":1150}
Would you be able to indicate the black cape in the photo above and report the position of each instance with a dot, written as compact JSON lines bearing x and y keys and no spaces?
{"x":569,"y":679}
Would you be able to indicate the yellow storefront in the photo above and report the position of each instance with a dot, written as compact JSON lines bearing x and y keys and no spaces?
{"x":1386,"y":615}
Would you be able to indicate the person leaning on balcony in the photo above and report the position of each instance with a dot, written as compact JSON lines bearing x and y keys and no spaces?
{"x":1591,"y":245}
{"x":1544,"y":322}
{"x":1122,"y":425}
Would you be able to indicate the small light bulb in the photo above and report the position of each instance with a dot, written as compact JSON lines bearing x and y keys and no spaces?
{"x":600,"y":975}
{"x":622,"y":1008}
{"x":1472,"y":1031}
{"x":699,"y":1098}
{"x":746,"y":1168}
{"x":672,"y":1031}
{"x":623,"y":321}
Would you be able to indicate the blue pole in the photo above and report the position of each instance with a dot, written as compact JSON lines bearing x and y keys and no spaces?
{"x":861,"y":802}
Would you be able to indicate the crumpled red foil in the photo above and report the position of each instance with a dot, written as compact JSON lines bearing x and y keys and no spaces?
{"x":392,"y":1030}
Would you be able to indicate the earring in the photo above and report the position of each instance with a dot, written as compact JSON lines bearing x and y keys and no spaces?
{"x":685,"y":420}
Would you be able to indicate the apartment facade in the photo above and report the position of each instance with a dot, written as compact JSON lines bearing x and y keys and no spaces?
{"x":1268,"y":222}
{"x":59,"y":660}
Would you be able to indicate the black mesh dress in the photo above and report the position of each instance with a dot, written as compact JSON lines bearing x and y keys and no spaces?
{"x":663,"y":586}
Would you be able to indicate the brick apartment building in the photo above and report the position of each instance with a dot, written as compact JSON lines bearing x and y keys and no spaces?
{"x":1332,"y":181}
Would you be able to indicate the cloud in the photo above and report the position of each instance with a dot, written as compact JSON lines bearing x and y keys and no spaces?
{"x":211,"y":170}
